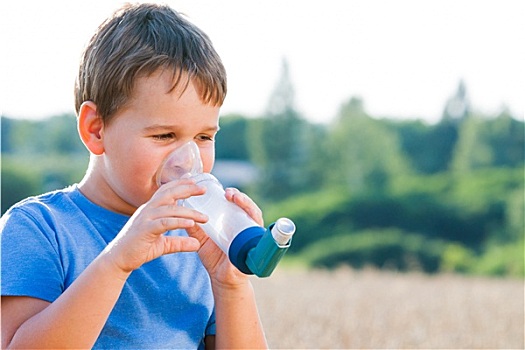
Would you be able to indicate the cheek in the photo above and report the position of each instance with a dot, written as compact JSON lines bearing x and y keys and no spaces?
{"x":208,"y":158}
{"x":140,"y":178}
{"x":136,"y":166}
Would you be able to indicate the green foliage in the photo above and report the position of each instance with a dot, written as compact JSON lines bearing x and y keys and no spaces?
{"x":505,"y":136}
{"x":279,"y":144}
{"x":501,"y":260}
{"x":428,"y":148}
{"x":483,"y":143}
{"x":33,"y":175}
{"x":514,"y":215}
{"x":471,"y":152}
{"x":466,"y":215}
{"x":231,"y":141}
{"x":317,"y":215}
{"x":367,"y":152}
{"x":457,"y":258}
{"x":17,"y":184}
{"x":495,"y":260}
{"x":39,"y":156}
{"x":388,"y":248}
{"x":57,"y":135}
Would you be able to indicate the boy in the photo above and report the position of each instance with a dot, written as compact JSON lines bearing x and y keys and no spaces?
{"x":113,"y":262}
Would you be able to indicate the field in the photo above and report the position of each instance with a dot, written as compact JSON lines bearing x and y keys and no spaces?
{"x":371,"y":309}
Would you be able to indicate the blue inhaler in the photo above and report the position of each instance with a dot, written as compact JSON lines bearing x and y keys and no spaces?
{"x":250,"y":247}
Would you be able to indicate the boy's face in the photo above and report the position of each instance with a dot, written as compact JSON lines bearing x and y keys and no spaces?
{"x":152,"y":124}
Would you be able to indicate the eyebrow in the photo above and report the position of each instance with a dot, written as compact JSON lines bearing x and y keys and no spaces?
{"x":161,"y":127}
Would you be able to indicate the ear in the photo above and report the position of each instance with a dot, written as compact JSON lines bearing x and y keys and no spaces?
{"x":90,"y":128}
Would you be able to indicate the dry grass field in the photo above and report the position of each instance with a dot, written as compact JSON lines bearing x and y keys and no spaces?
{"x":369,"y":309}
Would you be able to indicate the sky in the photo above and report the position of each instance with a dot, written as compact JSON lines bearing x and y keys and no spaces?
{"x":403,"y":58}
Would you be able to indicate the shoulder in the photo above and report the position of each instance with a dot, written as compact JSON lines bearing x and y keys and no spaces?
{"x":32,"y":260}
{"x":39,"y":209}
{"x":48,"y":198}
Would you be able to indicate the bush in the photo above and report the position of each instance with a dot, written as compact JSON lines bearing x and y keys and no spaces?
{"x":388,"y":248}
{"x":457,"y":258}
{"x":26,"y":176}
{"x":17,"y":184}
{"x":332,"y":213}
{"x":501,"y":260}
{"x":316,"y":215}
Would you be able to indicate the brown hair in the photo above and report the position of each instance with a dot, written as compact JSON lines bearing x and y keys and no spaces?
{"x":136,"y":41}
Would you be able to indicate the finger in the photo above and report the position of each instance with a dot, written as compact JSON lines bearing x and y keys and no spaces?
{"x":183,"y":188}
{"x":230,"y":192}
{"x":198,"y":233}
{"x":181,"y":244}
{"x":161,"y":225}
{"x":246,"y":203}
{"x":171,"y":192}
{"x":178,"y":182}
{"x":177,"y":211}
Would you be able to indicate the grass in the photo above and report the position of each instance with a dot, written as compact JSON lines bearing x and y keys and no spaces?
{"x":370,"y":309}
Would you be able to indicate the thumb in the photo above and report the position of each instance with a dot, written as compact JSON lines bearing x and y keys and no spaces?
{"x":197,"y":233}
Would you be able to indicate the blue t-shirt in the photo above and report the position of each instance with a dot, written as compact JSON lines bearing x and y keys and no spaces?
{"x":47,"y":241}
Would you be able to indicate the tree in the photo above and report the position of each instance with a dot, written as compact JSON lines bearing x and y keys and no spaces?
{"x":56,"y":135}
{"x":6,"y":127}
{"x":61,"y":136}
{"x":232,"y":138}
{"x":471,"y":151}
{"x":489,"y":142}
{"x":506,"y":138}
{"x":17,"y":183}
{"x":367,"y":153}
{"x":278,"y":143}
{"x":458,"y":105}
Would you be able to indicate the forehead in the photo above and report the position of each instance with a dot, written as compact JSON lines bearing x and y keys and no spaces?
{"x":161,"y":81}
{"x":170,"y":80}
{"x":157,"y":99}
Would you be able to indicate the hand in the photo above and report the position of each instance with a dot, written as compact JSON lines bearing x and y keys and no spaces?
{"x":142,"y":239}
{"x":215,"y":261}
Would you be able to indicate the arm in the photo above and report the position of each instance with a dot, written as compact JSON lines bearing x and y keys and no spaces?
{"x":236,"y":315}
{"x":238,"y":323}
{"x":76,"y":318}
{"x":237,"y":318}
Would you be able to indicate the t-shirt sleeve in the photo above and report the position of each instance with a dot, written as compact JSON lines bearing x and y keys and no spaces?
{"x":30,"y":259}
{"x":210,"y":328}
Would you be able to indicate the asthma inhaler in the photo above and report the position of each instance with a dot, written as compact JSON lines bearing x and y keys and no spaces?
{"x":250,"y":247}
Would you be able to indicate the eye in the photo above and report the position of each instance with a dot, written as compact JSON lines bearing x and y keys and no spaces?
{"x":204,"y":137}
{"x":164,"y":137}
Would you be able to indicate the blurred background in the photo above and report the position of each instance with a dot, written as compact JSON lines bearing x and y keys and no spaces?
{"x":392,"y":133}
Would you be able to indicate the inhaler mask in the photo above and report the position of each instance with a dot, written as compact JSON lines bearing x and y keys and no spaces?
{"x":183,"y":162}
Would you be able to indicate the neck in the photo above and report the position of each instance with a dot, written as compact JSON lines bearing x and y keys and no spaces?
{"x":95,"y":187}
